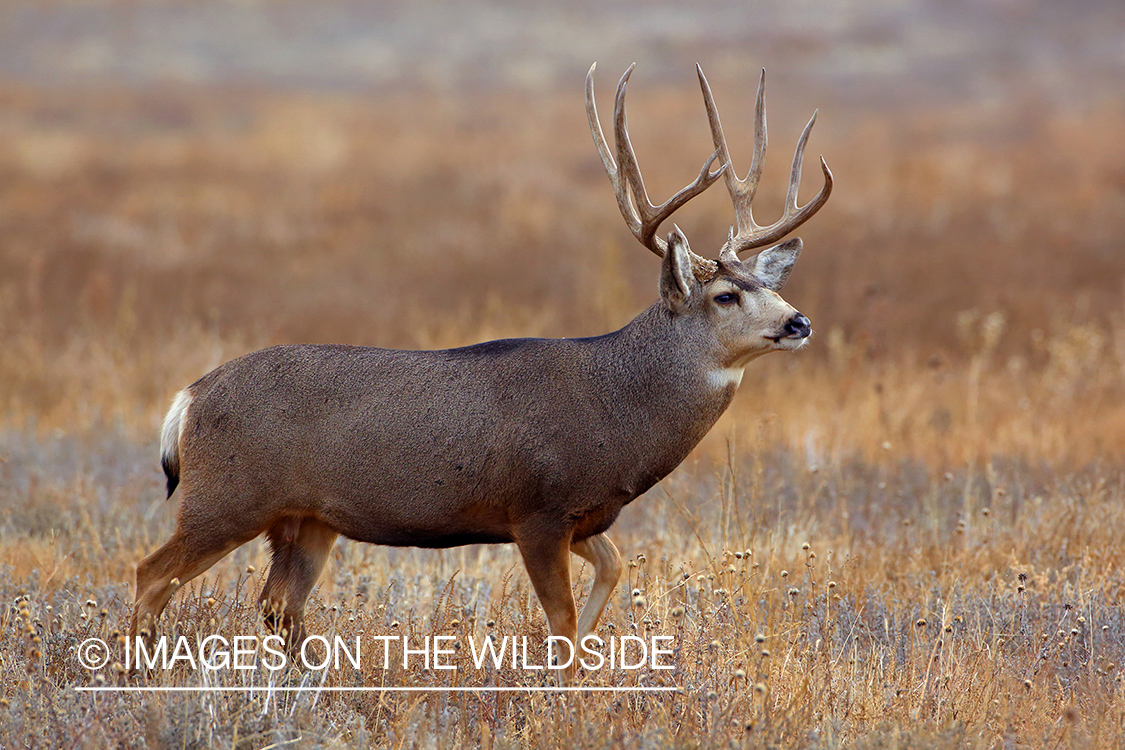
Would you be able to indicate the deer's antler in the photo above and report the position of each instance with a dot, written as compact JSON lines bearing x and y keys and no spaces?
{"x":746,"y":234}
{"x":642,"y":217}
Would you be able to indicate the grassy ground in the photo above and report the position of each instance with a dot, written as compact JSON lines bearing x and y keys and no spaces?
{"x":910,"y":535}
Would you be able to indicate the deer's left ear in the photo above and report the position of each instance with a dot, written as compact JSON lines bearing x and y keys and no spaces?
{"x":677,"y":282}
{"x":772,"y":265}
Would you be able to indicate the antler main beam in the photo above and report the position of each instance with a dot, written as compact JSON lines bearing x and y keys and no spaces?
{"x":747,"y":234}
{"x":641,"y":215}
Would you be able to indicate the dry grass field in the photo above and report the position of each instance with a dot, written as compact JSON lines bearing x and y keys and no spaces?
{"x":910,"y":534}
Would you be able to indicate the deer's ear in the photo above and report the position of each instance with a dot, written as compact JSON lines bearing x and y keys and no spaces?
{"x":677,"y":282}
{"x":772,"y":265}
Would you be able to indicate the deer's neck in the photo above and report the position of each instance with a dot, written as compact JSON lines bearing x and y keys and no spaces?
{"x":666,"y":382}
{"x":661,"y":353}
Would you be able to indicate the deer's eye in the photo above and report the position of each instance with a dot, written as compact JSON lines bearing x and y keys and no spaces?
{"x":726,"y":298}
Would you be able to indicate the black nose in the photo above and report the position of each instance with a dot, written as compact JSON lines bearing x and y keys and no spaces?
{"x":798,"y":327}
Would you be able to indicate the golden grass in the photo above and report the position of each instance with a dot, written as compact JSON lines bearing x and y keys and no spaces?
{"x":948,"y":446}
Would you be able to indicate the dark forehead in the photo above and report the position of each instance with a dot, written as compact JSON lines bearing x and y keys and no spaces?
{"x":739,"y":275}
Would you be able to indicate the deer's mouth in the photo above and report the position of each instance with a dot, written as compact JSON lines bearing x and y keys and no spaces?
{"x":790,"y":341}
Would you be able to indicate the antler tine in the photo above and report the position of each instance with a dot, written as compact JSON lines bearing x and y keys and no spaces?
{"x":596,"y":127}
{"x":630,"y":173}
{"x":641,"y":216}
{"x":747,"y":234}
{"x":741,"y":191}
{"x":616,"y":176}
{"x":802,"y":214}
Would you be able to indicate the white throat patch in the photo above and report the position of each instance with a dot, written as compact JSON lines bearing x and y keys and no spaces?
{"x":721,"y":378}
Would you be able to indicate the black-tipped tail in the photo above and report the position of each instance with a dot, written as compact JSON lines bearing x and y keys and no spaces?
{"x":172,"y":471}
{"x":170,"y":439}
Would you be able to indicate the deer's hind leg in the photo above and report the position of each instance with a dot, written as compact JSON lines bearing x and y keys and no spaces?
{"x":300,"y":547}
{"x":205,"y":533}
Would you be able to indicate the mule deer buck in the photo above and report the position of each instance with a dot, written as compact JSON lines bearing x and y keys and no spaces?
{"x":539,"y":442}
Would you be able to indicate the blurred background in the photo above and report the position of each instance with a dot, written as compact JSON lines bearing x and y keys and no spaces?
{"x":181,"y":182}
{"x":184,"y":182}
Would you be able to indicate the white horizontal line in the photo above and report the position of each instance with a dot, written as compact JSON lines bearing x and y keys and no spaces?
{"x":371,"y":689}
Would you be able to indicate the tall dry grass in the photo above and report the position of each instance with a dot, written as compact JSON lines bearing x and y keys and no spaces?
{"x":947,"y":446}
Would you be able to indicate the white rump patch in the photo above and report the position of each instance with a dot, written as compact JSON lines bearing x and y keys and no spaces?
{"x":720,"y":379}
{"x":173,"y":428}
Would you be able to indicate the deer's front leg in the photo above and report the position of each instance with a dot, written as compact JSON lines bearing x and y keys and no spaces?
{"x":602,"y":553}
{"x":547,"y":559}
